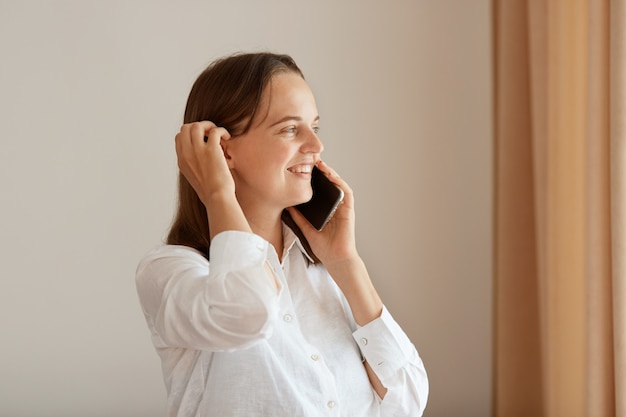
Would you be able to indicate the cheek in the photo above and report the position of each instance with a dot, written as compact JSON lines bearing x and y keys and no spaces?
{"x":247,"y":158}
{"x":263,"y":156}
{"x":271,"y":158}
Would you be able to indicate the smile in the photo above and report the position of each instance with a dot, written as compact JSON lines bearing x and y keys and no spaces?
{"x":301,"y":169}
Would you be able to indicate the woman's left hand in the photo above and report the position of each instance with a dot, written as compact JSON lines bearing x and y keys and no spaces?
{"x":336,"y":242}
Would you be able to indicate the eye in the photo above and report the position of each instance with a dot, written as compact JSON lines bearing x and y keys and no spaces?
{"x":316,"y":129}
{"x":290,"y":130}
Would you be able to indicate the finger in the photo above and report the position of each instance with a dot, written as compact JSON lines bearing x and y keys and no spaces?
{"x":216,"y":134}
{"x":198,"y":130}
{"x":332,"y":175}
{"x":185,"y":132}
{"x":325,"y":168}
{"x":183,"y":139}
{"x":209,"y":132}
{"x":178,"y":142}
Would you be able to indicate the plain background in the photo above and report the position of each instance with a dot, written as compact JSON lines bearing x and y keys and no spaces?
{"x":91,"y":96}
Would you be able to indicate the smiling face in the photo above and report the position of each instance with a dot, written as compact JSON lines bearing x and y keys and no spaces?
{"x":271,"y":163}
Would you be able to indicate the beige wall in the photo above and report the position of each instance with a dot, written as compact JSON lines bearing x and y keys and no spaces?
{"x":91,"y":94}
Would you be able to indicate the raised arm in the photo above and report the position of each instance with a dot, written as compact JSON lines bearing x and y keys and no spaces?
{"x":202,"y":161}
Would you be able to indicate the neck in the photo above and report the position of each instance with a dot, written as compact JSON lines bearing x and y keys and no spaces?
{"x":264,"y":220}
{"x":269,"y":228}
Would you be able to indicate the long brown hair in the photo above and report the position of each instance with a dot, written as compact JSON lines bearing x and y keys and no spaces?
{"x":227,"y":93}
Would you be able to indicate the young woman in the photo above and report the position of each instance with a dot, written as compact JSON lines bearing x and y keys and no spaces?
{"x":252,"y":310}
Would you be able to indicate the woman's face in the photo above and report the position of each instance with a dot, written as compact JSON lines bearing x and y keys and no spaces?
{"x":272,"y":162}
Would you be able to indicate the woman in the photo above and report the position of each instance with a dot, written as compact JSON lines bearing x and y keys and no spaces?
{"x":253,"y":311}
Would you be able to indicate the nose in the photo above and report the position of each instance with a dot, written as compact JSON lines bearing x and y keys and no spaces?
{"x":312,"y":143}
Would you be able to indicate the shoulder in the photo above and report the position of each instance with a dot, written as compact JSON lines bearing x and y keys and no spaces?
{"x":169,"y":257}
{"x":171,"y":251}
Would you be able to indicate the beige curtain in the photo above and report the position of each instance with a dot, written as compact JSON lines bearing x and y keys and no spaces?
{"x":618,"y":193}
{"x":559,"y":249}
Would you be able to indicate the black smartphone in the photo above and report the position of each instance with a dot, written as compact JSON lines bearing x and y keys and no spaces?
{"x":326,"y":198}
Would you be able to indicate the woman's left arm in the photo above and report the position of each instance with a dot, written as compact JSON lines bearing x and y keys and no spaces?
{"x":392,"y":357}
{"x":335,"y":246}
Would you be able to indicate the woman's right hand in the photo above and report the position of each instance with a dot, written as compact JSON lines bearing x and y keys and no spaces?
{"x":201,"y":159}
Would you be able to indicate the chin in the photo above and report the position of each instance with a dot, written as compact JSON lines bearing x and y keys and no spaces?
{"x":307,"y":197}
{"x":304,"y":199}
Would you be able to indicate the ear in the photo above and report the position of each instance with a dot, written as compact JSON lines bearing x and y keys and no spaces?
{"x":228,"y":149}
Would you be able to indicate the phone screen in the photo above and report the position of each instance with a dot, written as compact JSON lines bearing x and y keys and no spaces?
{"x":326,"y":198}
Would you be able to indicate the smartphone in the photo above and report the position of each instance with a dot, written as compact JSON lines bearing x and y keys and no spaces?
{"x":326,"y":198}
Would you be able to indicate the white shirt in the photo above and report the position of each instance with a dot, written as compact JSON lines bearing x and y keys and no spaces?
{"x":232,"y":344}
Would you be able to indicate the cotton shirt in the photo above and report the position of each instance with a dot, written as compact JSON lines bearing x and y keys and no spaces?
{"x":234,"y":342}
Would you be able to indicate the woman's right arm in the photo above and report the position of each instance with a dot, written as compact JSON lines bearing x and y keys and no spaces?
{"x":224,"y":307}
{"x":201,"y":160}
{"x":188,"y":304}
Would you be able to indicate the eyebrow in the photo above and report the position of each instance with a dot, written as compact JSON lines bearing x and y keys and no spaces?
{"x":288,"y":118}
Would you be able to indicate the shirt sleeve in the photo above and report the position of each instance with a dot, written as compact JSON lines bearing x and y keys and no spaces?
{"x":228,"y":306}
{"x":397,"y":364}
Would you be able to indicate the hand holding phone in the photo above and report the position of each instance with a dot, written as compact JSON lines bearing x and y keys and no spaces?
{"x":326,"y":198}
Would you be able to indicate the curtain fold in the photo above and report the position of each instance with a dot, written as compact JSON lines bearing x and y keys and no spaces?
{"x":618,"y":193}
{"x":562,"y":280}
{"x":518,"y":389}
{"x":558,"y":347}
{"x":601,"y":393}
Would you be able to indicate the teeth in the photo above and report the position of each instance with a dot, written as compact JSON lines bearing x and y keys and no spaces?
{"x":301,"y":169}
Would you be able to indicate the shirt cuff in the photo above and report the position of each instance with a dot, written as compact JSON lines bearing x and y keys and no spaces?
{"x":384,"y":345}
{"x":234,"y":250}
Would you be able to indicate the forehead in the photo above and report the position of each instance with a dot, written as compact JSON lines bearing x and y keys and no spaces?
{"x":287,"y":93}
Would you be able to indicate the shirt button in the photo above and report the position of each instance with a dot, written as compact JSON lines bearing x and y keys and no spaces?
{"x":315,"y":357}
{"x":364,"y":341}
{"x":287,"y":318}
{"x":330,"y":404}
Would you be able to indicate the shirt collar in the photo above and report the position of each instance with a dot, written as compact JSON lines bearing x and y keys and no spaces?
{"x":289,"y":240}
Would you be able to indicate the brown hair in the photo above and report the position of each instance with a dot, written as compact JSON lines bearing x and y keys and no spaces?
{"x":228,"y":94}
